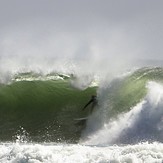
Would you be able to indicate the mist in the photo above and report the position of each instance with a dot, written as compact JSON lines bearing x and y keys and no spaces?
{"x":77,"y":36}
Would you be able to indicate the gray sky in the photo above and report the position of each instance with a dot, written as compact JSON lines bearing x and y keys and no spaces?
{"x":113,"y":29}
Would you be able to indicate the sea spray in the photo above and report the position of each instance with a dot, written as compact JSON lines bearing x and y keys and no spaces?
{"x":141,"y":123}
{"x":111,"y":130}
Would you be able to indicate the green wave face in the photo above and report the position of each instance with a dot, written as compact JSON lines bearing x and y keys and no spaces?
{"x":45,"y":109}
{"x":124,"y":93}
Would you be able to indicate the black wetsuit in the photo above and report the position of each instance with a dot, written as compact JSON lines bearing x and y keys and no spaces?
{"x":93,"y":101}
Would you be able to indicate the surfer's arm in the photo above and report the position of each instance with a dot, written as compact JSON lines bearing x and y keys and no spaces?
{"x":87,"y":104}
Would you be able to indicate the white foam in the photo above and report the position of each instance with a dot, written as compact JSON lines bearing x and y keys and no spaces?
{"x":112,"y":130}
{"x":142,"y":123}
{"x":59,"y":153}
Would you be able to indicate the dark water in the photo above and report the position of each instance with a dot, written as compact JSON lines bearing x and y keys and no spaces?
{"x":42,"y":110}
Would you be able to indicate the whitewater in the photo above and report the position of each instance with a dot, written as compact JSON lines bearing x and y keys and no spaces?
{"x":37,"y":113}
{"x":55,"y":56}
{"x":50,"y":153}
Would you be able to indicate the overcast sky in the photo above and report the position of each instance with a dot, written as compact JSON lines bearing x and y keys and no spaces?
{"x":121,"y":29}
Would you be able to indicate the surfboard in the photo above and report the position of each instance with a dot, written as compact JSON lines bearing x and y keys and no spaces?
{"x":81,"y":119}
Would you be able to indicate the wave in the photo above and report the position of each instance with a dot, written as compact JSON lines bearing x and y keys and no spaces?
{"x":42,"y":110}
{"x":130,"y":111}
{"x":40,"y":107}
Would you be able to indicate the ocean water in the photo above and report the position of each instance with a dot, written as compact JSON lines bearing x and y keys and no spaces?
{"x":38,"y":112}
{"x":49,"y":153}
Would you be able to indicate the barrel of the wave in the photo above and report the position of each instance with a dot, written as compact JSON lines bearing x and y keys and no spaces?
{"x":44,"y":109}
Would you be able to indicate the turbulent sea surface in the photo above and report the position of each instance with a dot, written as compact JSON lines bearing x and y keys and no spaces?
{"x":38,"y":118}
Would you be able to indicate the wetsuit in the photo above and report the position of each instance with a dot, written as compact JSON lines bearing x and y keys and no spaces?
{"x":93,"y":101}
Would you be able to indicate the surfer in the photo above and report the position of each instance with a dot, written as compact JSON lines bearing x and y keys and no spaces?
{"x":93,"y":100}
